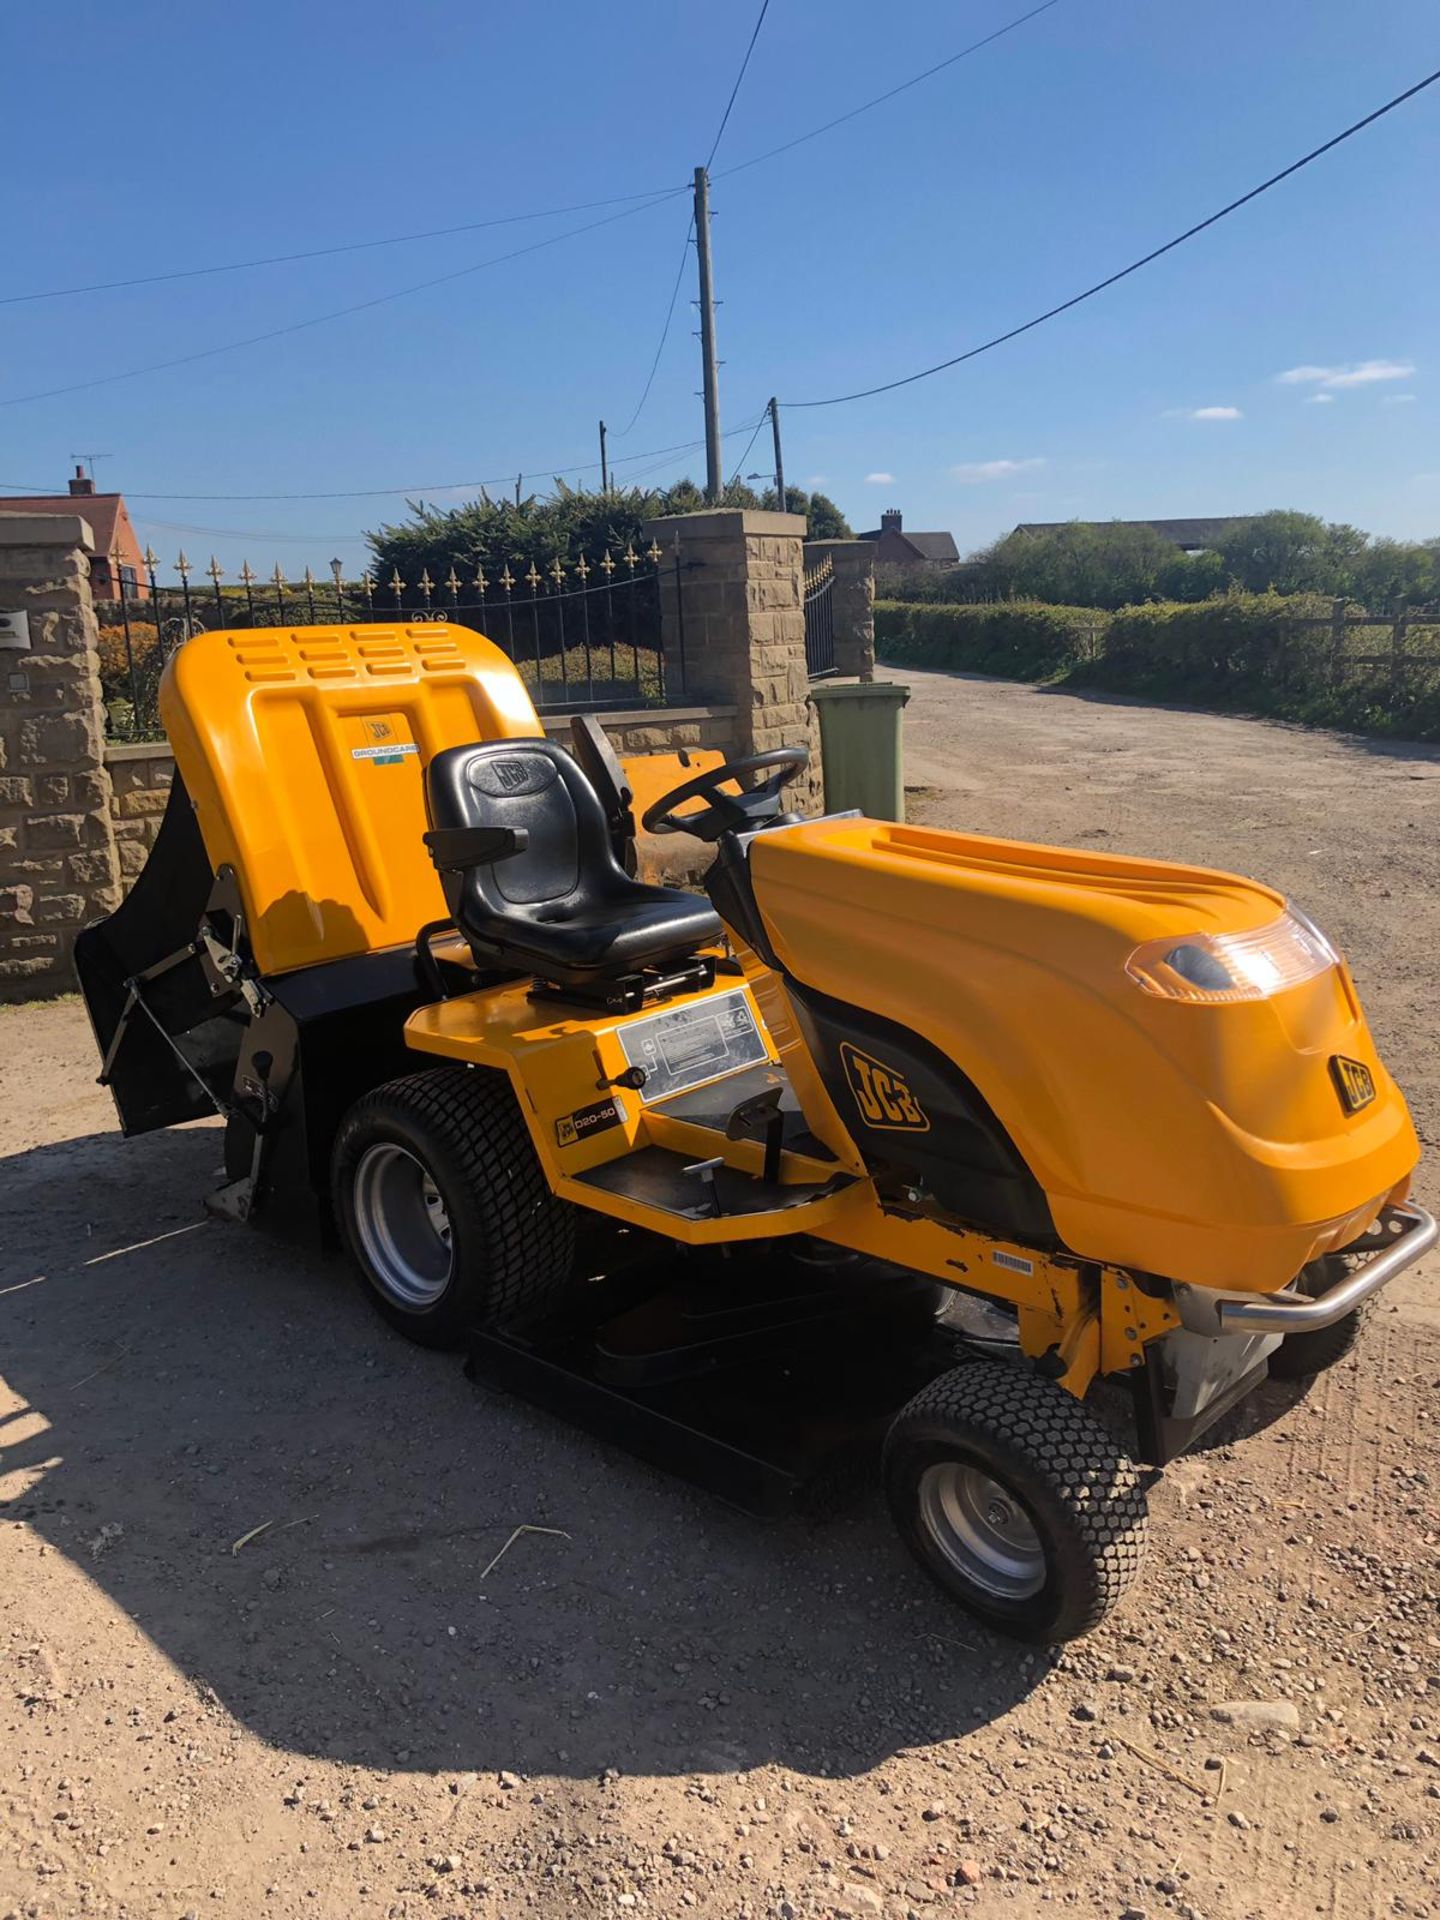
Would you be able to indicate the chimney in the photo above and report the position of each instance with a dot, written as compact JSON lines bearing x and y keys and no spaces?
{"x":890,"y":522}
{"x":82,"y":483}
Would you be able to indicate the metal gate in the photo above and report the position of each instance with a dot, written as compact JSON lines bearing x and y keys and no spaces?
{"x":583,"y":633}
{"x":820,"y":620}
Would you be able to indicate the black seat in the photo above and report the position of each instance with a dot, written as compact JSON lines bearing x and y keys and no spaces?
{"x":546,"y":894}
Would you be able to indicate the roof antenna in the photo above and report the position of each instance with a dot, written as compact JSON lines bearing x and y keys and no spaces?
{"x":90,"y":459}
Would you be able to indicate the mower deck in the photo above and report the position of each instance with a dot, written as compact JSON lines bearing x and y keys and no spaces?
{"x":772,"y":1392}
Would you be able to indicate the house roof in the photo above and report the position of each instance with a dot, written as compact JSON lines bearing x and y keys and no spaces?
{"x":929,"y":546}
{"x":101,"y":510}
{"x":1185,"y":533}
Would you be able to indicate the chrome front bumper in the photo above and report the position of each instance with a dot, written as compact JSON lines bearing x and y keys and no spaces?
{"x":1214,"y":1310}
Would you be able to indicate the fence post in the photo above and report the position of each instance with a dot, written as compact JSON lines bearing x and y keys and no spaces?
{"x":740,"y":575}
{"x":1337,"y":641}
{"x":1397,"y":653}
{"x":58,"y":863}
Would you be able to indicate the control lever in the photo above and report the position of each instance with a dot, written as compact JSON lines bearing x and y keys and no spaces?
{"x":704,"y":1171}
{"x":632,"y":1078}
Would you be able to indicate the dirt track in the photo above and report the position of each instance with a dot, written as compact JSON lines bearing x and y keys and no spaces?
{"x":668,"y":1708}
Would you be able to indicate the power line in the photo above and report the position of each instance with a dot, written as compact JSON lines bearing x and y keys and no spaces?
{"x":339,"y":313}
{"x":690,"y":230}
{"x":532,"y":469}
{"x":909,"y":379}
{"x":734,"y":91}
{"x":501,"y":220}
{"x":880,"y":98}
{"x":664,"y":331}
{"x":325,"y":253}
{"x":740,"y":463}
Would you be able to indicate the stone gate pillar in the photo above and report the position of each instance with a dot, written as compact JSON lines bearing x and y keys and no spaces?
{"x":852,"y":602}
{"x":58,"y":865}
{"x":735,"y":606}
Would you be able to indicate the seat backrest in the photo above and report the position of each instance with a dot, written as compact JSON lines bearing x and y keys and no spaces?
{"x":534,"y":786}
{"x":302,"y":749}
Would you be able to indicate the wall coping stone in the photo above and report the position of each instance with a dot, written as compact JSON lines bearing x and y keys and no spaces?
{"x":45,"y":530}
{"x":637,"y":716}
{"x":137,"y":750}
{"x":718,"y":522}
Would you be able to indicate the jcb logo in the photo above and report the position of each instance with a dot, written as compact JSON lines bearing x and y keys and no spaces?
{"x":566,"y":1132}
{"x":882,"y":1095}
{"x":379,"y":729}
{"x":1354,"y":1082}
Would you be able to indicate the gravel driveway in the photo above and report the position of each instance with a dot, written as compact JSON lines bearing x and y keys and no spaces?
{"x":664,"y":1707}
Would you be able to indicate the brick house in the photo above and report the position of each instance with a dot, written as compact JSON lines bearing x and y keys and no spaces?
{"x":895,"y":547}
{"x":117,"y":551}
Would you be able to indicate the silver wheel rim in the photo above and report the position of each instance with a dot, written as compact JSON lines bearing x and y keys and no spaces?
{"x":982,"y":1530}
{"x":403,"y":1228}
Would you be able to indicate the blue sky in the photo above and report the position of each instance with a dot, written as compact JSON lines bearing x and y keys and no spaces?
{"x":171,"y":136}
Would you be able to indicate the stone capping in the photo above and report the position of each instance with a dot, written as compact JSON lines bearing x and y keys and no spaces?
{"x":45,"y":530}
{"x":720,"y":521}
{"x":121,"y":750}
{"x":553,"y":720}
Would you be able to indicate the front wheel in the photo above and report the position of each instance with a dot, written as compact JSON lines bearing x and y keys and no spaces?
{"x":444,"y":1207}
{"x":1015,"y":1500}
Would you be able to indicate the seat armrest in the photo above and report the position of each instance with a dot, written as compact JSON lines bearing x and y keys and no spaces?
{"x":454,"y":848}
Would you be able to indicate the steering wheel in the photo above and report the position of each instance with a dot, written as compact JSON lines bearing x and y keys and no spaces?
{"x":741,"y":812}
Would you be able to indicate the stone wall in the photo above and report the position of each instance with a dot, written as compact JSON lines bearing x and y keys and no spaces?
{"x":735,"y":607}
{"x":140,"y":776}
{"x":658,"y":730}
{"x":58,"y":865}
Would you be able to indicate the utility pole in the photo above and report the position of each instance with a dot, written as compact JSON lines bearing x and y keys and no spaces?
{"x":779,"y":461}
{"x":518,"y":478}
{"x":714,"y":476}
{"x":604,"y":470}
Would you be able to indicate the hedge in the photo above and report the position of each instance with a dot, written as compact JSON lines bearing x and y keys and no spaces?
{"x":1020,"y":640}
{"x":1264,"y":653}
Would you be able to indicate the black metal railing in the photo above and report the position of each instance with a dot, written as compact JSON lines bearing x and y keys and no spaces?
{"x":583,"y":633}
{"x":820,"y":619}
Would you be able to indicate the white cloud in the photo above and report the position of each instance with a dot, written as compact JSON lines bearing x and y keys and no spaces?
{"x":817,"y":479}
{"x":1202,"y":413}
{"x":974,"y":473}
{"x":1363,"y":373}
{"x":1397,"y":399}
{"x":1319,"y":399}
{"x":879,"y":479}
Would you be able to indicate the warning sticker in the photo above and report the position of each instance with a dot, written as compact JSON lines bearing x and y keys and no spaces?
{"x":693,"y":1044}
{"x":572,"y":1128}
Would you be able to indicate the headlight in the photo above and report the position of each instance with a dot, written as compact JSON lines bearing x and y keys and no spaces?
{"x":1221,"y":967}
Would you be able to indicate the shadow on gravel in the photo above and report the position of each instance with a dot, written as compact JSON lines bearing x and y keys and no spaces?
{"x":175,"y":1384}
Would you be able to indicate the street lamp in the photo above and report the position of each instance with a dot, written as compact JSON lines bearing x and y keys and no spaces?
{"x":337,"y":569}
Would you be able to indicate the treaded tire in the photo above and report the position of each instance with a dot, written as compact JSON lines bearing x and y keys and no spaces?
{"x":512,"y":1242}
{"x":1299,"y":1355}
{"x":1082,"y":1497}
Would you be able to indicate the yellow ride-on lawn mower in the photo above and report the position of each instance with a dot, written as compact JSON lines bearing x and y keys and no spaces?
{"x":901,"y":1136}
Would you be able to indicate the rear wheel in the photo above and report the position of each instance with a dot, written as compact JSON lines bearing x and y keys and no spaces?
{"x":1301,"y":1354}
{"x":1015,"y":1500}
{"x":444,"y":1208}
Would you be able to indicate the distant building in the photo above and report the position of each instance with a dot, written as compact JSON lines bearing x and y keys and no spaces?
{"x":894,"y":547}
{"x":1190,"y":536}
{"x":117,"y":554}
